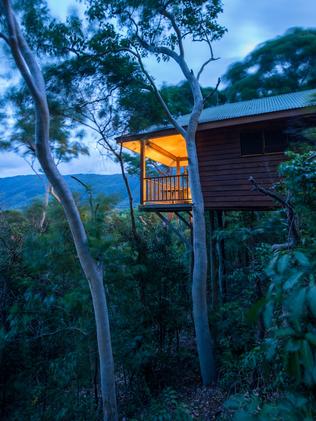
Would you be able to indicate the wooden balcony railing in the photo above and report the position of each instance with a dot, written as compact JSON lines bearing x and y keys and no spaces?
{"x":171,"y":189}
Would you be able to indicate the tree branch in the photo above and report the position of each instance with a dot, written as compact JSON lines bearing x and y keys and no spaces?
{"x":165,"y":107}
{"x":176,"y":28}
{"x":16,"y":52}
{"x":29,"y":58}
{"x":150,"y":47}
{"x":158,"y":50}
{"x":293,"y":231}
{"x":55,"y":332}
{"x":269,"y":193}
{"x":213,"y":91}
{"x":204,"y":65}
{"x":176,"y":231}
{"x":5,"y":38}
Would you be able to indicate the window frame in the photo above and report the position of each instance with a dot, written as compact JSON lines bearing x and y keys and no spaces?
{"x":263,"y":137}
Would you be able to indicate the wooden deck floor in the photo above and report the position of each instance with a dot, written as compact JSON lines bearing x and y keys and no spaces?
{"x":166,"y":207}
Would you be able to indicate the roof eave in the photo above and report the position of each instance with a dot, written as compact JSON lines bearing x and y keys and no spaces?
{"x":236,"y":121}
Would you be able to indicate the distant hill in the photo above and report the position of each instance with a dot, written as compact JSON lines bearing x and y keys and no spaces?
{"x":18,"y":192}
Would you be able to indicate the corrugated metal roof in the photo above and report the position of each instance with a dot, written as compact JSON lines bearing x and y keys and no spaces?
{"x":291,"y":101}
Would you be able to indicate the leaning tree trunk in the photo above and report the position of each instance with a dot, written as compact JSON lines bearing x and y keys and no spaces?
{"x":33,"y":77}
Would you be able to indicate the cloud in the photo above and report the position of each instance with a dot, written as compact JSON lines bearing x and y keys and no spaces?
{"x":11,"y":164}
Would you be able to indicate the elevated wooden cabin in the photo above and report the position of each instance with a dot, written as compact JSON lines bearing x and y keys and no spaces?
{"x":234,"y":141}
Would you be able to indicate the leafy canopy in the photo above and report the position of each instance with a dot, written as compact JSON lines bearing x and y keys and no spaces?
{"x":284,"y":64}
{"x":158,"y":22}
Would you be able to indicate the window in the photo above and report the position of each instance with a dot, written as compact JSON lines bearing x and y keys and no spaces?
{"x":262,"y":142}
{"x":275,"y":141}
{"x":251,"y":143}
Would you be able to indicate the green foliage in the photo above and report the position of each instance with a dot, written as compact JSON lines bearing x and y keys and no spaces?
{"x":143,"y":109}
{"x":152,"y":282}
{"x":20,"y":137}
{"x":284,"y":64}
{"x":151,"y":27}
{"x":45,"y":311}
{"x":291,"y":407}
{"x":47,"y":342}
{"x":289,"y":314}
{"x":166,"y":407}
{"x":195,"y":18}
{"x":299,"y":174}
{"x":290,"y":307}
{"x":266,"y":329}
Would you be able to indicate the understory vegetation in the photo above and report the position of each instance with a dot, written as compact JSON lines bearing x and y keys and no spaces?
{"x":263,"y":316}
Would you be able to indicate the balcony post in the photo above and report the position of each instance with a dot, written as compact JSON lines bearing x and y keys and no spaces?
{"x":178,"y":184}
{"x":178,"y":167}
{"x":142,"y":172}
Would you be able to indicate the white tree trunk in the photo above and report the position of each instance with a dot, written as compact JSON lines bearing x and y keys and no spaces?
{"x":199,"y":279}
{"x":33,"y":77}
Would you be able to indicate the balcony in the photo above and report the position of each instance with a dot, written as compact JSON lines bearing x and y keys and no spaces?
{"x":166,"y":192}
{"x":169,"y":192}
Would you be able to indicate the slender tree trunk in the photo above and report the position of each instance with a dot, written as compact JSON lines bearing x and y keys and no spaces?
{"x":212,"y":248}
{"x":220,"y":246}
{"x":45,"y":206}
{"x":105,"y":349}
{"x":33,"y":77}
{"x":93,"y":272}
{"x":220,"y":270}
{"x":199,"y":279}
{"x":130,"y":199}
{"x":119,"y":157}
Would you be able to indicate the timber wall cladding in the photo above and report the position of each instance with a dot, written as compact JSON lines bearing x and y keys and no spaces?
{"x":225,"y":173}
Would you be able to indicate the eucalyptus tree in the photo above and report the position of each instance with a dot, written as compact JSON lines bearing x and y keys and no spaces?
{"x":31,"y":72}
{"x":162,"y":28}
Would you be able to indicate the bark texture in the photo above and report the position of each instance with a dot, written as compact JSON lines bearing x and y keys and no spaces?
{"x":33,"y":77}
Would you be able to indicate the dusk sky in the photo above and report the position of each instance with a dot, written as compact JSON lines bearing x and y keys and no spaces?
{"x":248,"y":22}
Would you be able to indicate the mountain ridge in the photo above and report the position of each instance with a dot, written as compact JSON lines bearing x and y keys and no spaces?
{"x":18,"y":192}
